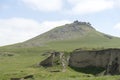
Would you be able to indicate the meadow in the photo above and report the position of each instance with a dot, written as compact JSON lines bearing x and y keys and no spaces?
{"x":20,"y":62}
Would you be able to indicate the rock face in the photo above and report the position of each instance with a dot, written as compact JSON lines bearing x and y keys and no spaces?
{"x":108,"y":58}
{"x":55,"y":58}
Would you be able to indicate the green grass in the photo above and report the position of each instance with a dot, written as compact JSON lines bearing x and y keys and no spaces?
{"x":85,"y":43}
{"x":21,"y":65}
{"x":24,"y":63}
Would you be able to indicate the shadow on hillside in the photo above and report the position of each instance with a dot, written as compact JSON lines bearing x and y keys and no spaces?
{"x":89,"y":70}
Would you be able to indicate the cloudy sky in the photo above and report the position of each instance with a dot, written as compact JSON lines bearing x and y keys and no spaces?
{"x":21,"y":20}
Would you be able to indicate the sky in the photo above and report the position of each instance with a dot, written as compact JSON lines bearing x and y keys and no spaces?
{"x":21,"y":20}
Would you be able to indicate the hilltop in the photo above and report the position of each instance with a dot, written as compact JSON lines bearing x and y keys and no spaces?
{"x":72,"y":36}
{"x":65,"y":32}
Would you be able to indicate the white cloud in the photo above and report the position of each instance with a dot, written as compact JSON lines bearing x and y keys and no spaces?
{"x":117,"y":26}
{"x":77,"y":6}
{"x":89,"y":6}
{"x":53,"y":24}
{"x":116,"y":3}
{"x":44,"y":5}
{"x":20,"y":29}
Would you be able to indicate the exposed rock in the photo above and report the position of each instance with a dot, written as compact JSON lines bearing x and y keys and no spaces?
{"x":28,"y":77}
{"x":82,"y":23}
{"x":113,"y":68}
{"x":56,"y":58}
{"x":23,"y":78}
{"x":108,"y":58}
{"x":15,"y":78}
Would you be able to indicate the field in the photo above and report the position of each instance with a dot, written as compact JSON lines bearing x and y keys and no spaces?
{"x":24,"y":64}
{"x":19,"y":62}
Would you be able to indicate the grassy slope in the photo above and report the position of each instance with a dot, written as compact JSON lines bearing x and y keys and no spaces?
{"x":65,"y":32}
{"x":93,"y":40}
{"x":71,"y":36}
{"x":23,"y":63}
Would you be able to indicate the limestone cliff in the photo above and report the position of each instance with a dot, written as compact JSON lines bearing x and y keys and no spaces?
{"x":107,"y":58}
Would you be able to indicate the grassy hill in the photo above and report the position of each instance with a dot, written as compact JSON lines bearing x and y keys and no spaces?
{"x":20,"y":59}
{"x":71,"y":36}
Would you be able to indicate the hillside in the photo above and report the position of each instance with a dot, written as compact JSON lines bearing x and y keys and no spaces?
{"x":68,"y":37}
{"x":72,"y":36}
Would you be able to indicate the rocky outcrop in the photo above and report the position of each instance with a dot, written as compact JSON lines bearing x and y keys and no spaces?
{"x":107,"y":58}
{"x":56,"y":58}
{"x":82,"y":23}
